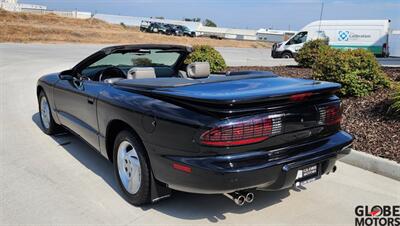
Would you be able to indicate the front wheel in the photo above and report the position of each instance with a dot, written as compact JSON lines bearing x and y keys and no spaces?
{"x":49,"y":126}
{"x":287,"y":55}
{"x":131,"y":168}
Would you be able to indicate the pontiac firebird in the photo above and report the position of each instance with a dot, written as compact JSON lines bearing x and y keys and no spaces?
{"x":165,"y":124}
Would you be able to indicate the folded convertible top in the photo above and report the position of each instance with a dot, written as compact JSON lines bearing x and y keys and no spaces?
{"x":240,"y":88}
{"x":157,"y":83}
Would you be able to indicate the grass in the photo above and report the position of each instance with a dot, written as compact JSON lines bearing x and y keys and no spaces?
{"x":50,"y":28}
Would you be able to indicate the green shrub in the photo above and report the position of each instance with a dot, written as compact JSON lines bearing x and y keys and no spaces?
{"x":142,"y":62}
{"x":357,"y":70}
{"x":395,"y":106}
{"x":310,"y":51}
{"x":205,"y":53}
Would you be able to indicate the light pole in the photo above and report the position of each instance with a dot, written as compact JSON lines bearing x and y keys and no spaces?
{"x":320,"y":17}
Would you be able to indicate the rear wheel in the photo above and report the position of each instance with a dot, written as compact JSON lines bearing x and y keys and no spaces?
{"x":49,"y":126}
{"x":131,"y":168}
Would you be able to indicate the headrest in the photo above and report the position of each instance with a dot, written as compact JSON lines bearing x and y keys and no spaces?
{"x":141,"y":72}
{"x":198,"y":70}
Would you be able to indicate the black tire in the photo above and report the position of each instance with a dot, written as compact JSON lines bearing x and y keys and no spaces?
{"x":142,"y":196}
{"x":53,"y":126}
{"x":287,"y":55}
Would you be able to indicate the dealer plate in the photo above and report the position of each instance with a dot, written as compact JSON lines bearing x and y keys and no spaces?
{"x":306,"y":175}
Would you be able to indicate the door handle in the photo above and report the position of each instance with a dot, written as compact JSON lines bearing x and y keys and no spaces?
{"x":90,"y":100}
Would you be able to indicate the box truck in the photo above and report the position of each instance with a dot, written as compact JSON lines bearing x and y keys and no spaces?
{"x":344,"y":34}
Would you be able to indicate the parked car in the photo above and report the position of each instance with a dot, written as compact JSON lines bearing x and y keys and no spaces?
{"x":144,"y":25}
{"x":186,"y":31}
{"x":173,"y":30}
{"x":167,"y":125}
{"x":372,"y":35}
{"x":157,"y":28}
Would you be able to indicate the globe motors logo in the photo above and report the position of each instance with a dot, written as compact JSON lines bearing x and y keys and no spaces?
{"x":377,"y":215}
{"x":344,"y":35}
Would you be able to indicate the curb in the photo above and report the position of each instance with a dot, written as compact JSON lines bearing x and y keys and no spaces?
{"x":381,"y":166}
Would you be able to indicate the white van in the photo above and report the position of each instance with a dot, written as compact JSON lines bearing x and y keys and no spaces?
{"x":346,"y":34}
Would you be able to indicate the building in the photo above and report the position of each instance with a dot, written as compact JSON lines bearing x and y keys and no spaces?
{"x":9,"y":5}
{"x":197,"y":27}
{"x":13,"y":5}
{"x":394,"y":43}
{"x":227,"y":33}
{"x":215,"y":32}
{"x":200,"y":30}
{"x":274,"y":35}
{"x":136,"y":21}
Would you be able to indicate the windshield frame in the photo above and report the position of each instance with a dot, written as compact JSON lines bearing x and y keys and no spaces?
{"x":183,"y":49}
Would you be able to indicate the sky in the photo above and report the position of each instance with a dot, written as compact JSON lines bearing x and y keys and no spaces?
{"x":252,"y":14}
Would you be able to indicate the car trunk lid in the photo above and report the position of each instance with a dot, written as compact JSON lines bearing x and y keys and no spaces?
{"x":232,"y":95}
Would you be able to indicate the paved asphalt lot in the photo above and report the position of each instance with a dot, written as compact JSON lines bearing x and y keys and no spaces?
{"x":60,"y":180}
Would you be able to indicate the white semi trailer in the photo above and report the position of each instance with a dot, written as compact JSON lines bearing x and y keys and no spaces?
{"x":344,"y":34}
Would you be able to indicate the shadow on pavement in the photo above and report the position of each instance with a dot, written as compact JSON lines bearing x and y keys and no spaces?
{"x":214,"y":207}
{"x":180,"y":205}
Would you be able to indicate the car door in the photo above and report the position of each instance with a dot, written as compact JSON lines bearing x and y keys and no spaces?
{"x":75,"y":104}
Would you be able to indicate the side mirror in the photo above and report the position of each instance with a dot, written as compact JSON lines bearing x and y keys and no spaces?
{"x":66,"y":77}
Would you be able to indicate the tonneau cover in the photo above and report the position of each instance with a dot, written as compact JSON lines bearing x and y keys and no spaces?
{"x":156,"y":83}
{"x":235,"y":89}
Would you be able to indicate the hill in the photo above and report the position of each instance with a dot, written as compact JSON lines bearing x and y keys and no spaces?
{"x":50,"y":28}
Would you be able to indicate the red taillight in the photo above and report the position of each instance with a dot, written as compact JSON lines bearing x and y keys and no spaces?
{"x":300,"y":96}
{"x":330,"y":114}
{"x":242,"y":132}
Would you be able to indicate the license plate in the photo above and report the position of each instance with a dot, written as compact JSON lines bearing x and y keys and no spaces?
{"x":306,"y":175}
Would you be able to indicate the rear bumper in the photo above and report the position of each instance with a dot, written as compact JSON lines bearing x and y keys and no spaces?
{"x":258,"y":169}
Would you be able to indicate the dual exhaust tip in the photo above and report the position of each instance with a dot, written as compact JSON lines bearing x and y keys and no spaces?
{"x":240,"y":198}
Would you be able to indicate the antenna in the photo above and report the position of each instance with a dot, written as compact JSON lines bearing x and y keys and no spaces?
{"x":320,"y":18}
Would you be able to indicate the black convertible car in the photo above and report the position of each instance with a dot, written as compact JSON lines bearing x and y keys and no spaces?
{"x":167,"y":125}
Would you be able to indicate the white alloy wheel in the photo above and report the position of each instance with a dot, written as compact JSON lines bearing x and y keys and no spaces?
{"x":129,"y":167}
{"x":45,"y":112}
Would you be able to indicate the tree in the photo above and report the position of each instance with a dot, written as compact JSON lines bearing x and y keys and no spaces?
{"x":209,"y":23}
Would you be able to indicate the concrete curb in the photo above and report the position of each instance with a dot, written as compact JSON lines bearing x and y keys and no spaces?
{"x":381,"y":166}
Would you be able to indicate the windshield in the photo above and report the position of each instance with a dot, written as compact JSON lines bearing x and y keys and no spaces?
{"x":142,"y":58}
{"x":185,"y":29}
{"x":157,"y":58}
{"x":301,"y":37}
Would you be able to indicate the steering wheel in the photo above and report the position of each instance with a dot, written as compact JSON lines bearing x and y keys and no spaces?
{"x":111,"y":72}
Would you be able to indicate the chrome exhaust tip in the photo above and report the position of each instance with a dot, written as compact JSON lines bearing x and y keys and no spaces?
{"x":240,"y":200}
{"x":237,"y":198}
{"x":249,"y":197}
{"x":334,"y":169}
